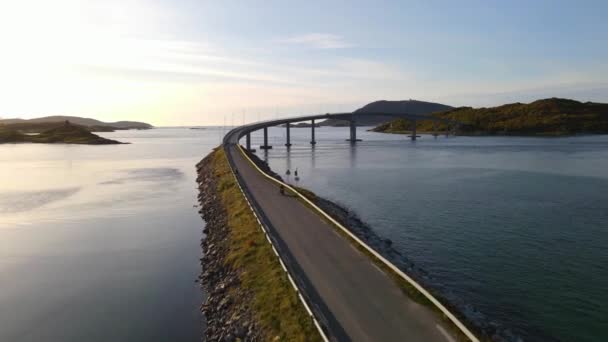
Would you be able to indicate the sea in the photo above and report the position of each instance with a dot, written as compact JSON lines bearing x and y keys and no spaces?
{"x":102,"y":243}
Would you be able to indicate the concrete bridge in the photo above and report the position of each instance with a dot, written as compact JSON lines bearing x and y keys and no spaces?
{"x":347,"y":295}
{"x":350,"y":117}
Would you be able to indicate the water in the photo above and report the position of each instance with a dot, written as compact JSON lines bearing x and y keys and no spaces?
{"x":514,"y":231}
{"x":101,"y":243}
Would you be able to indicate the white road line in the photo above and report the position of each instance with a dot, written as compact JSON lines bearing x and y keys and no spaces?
{"x":305,"y":305}
{"x":293,"y":283}
{"x":378,"y":268}
{"x":445,"y":333}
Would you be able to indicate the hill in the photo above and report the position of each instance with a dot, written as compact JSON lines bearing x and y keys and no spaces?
{"x":95,"y":125}
{"x":66,"y":133}
{"x":25,"y":126}
{"x":552,"y":116}
{"x":383,"y":106}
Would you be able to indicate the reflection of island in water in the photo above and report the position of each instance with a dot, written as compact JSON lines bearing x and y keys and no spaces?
{"x":66,"y":133}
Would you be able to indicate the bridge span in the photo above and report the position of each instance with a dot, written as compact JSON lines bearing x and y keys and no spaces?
{"x":246,"y":130}
{"x":351,"y":298}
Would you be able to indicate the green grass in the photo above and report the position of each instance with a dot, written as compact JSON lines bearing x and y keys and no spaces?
{"x":8,"y":135}
{"x":61,"y":133}
{"x":277,"y":307}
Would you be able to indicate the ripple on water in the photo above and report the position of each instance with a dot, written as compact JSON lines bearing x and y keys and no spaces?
{"x":21,"y":201}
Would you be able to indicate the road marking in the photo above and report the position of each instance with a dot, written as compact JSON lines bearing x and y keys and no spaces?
{"x":293,"y":283}
{"x":378,"y":268}
{"x":445,"y":333}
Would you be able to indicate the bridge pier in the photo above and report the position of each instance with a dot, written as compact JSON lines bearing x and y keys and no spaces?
{"x":312,"y":132}
{"x":248,"y":142}
{"x":288,"y":127}
{"x":353,"y":131}
{"x":413,"y":136}
{"x":265,"y":146}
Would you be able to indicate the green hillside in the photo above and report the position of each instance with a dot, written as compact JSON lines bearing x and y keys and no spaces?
{"x":543,"y":117}
{"x":66,"y":133}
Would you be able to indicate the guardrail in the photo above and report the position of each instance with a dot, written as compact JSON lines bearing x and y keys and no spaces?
{"x":285,"y":264}
{"x":390,"y":265}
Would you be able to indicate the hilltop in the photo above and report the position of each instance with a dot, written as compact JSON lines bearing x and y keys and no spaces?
{"x":93,"y":125}
{"x":383,"y":106}
{"x":552,"y":116}
{"x":66,"y":133}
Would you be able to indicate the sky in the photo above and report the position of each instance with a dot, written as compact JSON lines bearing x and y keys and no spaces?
{"x":198,"y":62}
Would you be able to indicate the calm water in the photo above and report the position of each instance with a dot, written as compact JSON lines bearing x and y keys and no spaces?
{"x":101,"y":243}
{"x":515,"y":228}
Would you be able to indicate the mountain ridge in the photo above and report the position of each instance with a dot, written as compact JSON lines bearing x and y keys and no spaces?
{"x":82,"y":121}
{"x":550,"y":116}
{"x":385,"y":106}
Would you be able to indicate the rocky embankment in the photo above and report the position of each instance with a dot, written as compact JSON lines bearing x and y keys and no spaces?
{"x":226,"y":309}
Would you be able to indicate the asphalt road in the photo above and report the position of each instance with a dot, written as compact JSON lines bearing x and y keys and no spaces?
{"x":359,"y":301}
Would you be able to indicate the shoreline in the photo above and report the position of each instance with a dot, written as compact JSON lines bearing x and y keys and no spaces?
{"x":249,"y":296}
{"x":484,"y":134}
{"x":215,"y":278}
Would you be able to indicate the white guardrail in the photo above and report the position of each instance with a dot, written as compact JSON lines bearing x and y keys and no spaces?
{"x":394,"y":268}
{"x":265,"y":231}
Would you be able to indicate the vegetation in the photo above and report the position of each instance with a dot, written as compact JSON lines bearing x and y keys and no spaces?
{"x":39,"y":127}
{"x":66,"y":133}
{"x":11,"y":136}
{"x":275,"y":302}
{"x":87,"y":122}
{"x":552,"y":117}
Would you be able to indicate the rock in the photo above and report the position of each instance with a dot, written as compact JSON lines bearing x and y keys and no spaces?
{"x":226,"y":307}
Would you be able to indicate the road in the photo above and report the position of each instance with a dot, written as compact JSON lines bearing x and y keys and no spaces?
{"x":359,"y":301}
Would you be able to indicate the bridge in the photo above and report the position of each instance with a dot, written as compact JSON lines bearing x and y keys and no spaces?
{"x":347,"y":294}
{"x":350,"y":117}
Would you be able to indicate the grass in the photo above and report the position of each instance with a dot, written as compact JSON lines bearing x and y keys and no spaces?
{"x":61,"y":133}
{"x":547,"y":117}
{"x":278,"y":310}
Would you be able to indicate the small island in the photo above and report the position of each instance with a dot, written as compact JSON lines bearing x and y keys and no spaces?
{"x":547,"y":117}
{"x":63,"y":133}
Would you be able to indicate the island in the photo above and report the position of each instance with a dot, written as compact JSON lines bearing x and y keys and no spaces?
{"x":546,"y":117}
{"x":66,"y":133}
{"x":39,"y":125}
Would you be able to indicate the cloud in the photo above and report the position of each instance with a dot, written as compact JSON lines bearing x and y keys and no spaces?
{"x":318,"y":41}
